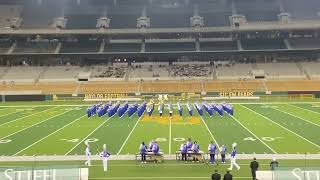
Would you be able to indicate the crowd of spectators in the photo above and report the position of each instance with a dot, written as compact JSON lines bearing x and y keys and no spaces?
{"x":108,"y":72}
{"x":190,"y":70}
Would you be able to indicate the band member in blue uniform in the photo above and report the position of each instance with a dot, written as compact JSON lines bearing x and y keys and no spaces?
{"x":212,"y":148}
{"x":143,"y":152}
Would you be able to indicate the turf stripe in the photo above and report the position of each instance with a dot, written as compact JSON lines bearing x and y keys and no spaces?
{"x":32,"y":134}
{"x":65,"y":139}
{"x":254,"y":134}
{"x":307,"y":107}
{"x":72,"y":122}
{"x":8,"y":131}
{"x":20,"y":115}
{"x":124,"y":143}
{"x":304,"y":129}
{"x":88,"y":136}
{"x":227,"y":131}
{"x":298,"y":117}
{"x":283,"y":127}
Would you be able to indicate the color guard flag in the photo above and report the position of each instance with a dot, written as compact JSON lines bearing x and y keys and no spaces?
{"x":180,"y":109}
{"x":150,"y":109}
{"x":142,"y":108}
{"x":199,"y":108}
{"x":160,"y":109}
{"x":189,"y":106}
{"x":208,"y":109}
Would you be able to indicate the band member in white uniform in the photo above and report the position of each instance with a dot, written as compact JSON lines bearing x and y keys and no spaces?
{"x":105,"y":156}
{"x":88,"y":154}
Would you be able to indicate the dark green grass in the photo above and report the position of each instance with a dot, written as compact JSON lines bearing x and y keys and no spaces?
{"x":64,"y":140}
{"x":169,"y":169}
{"x":287,"y":142}
{"x":147,"y":130}
{"x":113,"y":134}
{"x":11,"y":114}
{"x":305,"y":129}
{"x":227,"y":131}
{"x":29,"y":136}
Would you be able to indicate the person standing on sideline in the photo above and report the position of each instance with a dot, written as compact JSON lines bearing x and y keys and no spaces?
{"x":233,"y":158}
{"x":223,"y":153}
{"x":216,"y":175}
{"x":254,"y":165}
{"x":227,"y":176}
{"x":184,"y":150}
{"x":273,"y":164}
{"x":143,"y":151}
{"x":105,"y":156}
{"x":212,"y":151}
{"x":88,"y":154}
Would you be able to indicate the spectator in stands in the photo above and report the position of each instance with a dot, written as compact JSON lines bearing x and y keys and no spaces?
{"x":273,"y":164}
{"x":227,"y":176}
{"x":254,"y":165}
{"x":216,"y":175}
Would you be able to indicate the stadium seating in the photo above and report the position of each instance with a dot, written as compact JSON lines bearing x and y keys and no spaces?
{"x":150,"y":71}
{"x":82,"y":21}
{"x":281,"y":70}
{"x":312,"y":69}
{"x":7,"y":12}
{"x":122,"y":47}
{"x":218,"y":86}
{"x":295,"y":85}
{"x":4,"y":46}
{"x":35,"y":47}
{"x":170,"y":86}
{"x":18,"y":74}
{"x":218,"y":46}
{"x":44,"y":88}
{"x":80,"y":47}
{"x":108,"y":87}
{"x":107,"y":73}
{"x":40,"y":16}
{"x":164,"y":47}
{"x":234,"y":71}
{"x":262,"y":44}
{"x":301,"y":10}
{"x":304,"y":43}
{"x":61,"y":73}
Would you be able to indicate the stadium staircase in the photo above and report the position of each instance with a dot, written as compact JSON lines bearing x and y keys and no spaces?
{"x":287,"y":43}
{"x":303,"y":71}
{"x":102,"y":45}
{"x":4,"y":72}
{"x":58,"y":48}
{"x":12,"y":48}
{"x":239,"y":45}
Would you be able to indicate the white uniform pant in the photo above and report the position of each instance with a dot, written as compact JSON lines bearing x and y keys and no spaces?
{"x":105,"y":164}
{"x":88,"y":162}
{"x":233,"y":163}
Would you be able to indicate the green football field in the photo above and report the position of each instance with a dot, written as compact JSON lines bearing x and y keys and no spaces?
{"x":62,"y":129}
{"x":41,"y":129}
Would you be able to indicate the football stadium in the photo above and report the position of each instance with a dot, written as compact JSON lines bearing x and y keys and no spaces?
{"x":159,"y":89}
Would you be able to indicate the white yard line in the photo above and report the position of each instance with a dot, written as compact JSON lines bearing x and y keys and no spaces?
{"x":170,"y":135}
{"x":124,"y":143}
{"x":26,"y":116}
{"x":8,"y":114}
{"x":34,"y":125}
{"x":88,"y":135}
{"x":282,"y":127}
{"x":304,"y":109}
{"x":253,"y":134}
{"x":297,"y":117}
{"x":49,"y":135}
{"x":215,"y":141}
